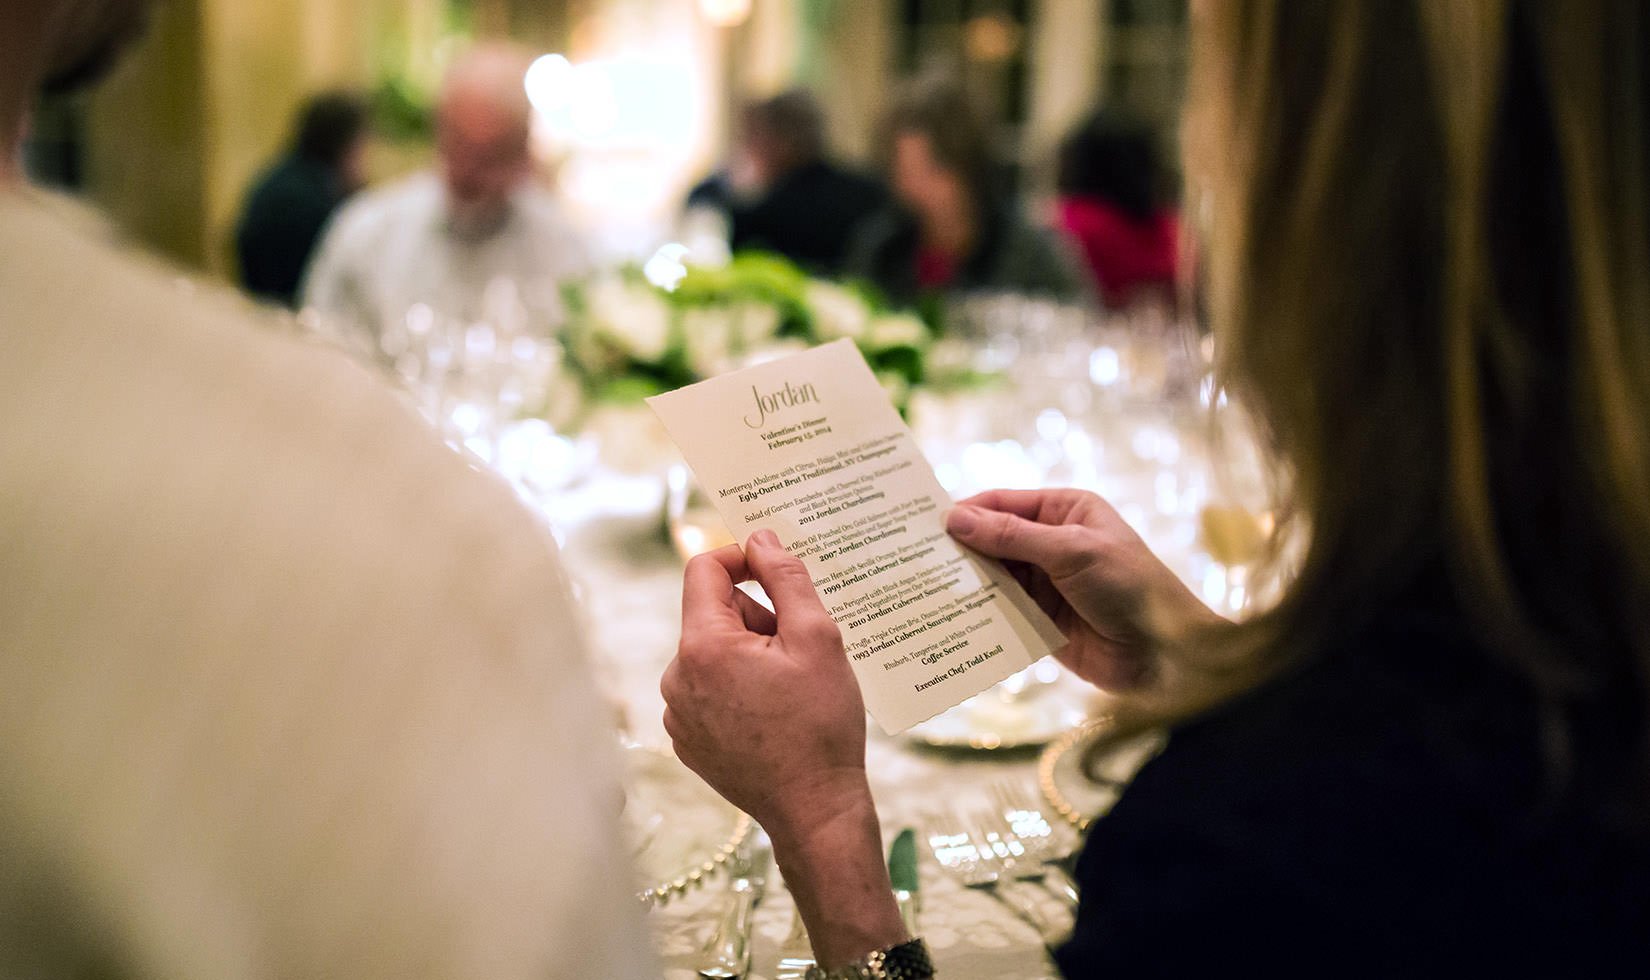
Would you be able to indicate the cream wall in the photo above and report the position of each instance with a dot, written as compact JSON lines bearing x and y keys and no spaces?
{"x":183,"y":128}
{"x":1067,"y":49}
{"x":144,"y":159}
{"x":854,"y":74}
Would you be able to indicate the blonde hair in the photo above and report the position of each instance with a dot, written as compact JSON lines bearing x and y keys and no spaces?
{"x":1429,"y":272}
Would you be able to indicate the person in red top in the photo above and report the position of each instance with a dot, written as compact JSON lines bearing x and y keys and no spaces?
{"x":1112,"y":205}
{"x":953,"y":228}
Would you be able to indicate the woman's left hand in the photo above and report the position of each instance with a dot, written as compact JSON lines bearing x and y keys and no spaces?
{"x":765,"y":707}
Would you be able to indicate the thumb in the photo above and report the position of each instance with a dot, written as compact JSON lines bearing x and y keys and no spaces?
{"x":801,"y":615}
{"x":1000,"y":535}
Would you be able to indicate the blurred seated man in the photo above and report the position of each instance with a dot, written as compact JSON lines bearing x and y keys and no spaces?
{"x":784,"y":194}
{"x":447,"y":239}
{"x":286,"y":688}
{"x":289,"y":206}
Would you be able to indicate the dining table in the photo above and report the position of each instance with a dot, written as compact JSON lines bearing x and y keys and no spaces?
{"x":628,"y":577}
{"x":1096,"y":411}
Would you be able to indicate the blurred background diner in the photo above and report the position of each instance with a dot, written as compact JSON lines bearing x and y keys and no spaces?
{"x":291,"y":203}
{"x":633,"y":104}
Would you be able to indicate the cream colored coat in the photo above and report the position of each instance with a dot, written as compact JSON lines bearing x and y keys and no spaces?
{"x":286,"y":689}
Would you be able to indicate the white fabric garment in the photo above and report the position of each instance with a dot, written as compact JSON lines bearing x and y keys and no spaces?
{"x":391,"y":250}
{"x":287,"y":689}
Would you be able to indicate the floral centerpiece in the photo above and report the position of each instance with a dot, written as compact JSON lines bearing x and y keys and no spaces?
{"x":640,"y":331}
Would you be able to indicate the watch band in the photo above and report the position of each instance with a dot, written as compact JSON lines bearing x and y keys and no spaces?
{"x":907,"y":961}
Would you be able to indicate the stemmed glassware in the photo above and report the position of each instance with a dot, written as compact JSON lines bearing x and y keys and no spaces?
{"x":480,"y":381}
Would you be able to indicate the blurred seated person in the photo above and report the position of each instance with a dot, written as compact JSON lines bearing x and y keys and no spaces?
{"x":783,"y":194}
{"x":445,"y":239}
{"x":290,"y":204}
{"x":1111,"y":204}
{"x":952,"y":230}
{"x":287,"y":689}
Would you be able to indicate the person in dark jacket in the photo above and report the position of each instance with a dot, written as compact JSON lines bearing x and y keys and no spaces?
{"x":788,"y":196}
{"x":1430,"y":755}
{"x":952,"y":230}
{"x":1113,"y":205}
{"x":291,"y":203}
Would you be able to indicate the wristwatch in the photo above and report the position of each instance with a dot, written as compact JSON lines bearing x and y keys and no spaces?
{"x":907,"y":961}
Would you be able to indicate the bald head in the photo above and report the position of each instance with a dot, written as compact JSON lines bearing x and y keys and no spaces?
{"x":483,"y":131}
{"x":490,"y":79}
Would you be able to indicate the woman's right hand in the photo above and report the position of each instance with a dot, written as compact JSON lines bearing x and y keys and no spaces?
{"x":1115,"y":601}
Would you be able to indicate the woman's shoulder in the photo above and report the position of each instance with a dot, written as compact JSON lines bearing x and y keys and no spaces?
{"x":1410,"y":724}
{"x":1395,"y":783}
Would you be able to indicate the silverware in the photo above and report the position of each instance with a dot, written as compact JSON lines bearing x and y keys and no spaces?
{"x":728,"y":953}
{"x":1013,"y":861}
{"x":1041,"y":841}
{"x":963,"y":852}
{"x":796,"y":953}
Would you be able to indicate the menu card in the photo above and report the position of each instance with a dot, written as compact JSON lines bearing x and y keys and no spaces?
{"x":809,"y":447}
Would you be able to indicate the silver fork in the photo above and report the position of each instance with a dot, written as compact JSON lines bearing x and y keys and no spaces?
{"x":1016,"y":862}
{"x":796,"y":954}
{"x":963,"y":853}
{"x":727,"y":955}
{"x":1042,"y":843}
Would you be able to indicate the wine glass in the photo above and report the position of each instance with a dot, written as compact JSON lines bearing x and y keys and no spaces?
{"x":695,"y":526}
{"x":1238,"y":523}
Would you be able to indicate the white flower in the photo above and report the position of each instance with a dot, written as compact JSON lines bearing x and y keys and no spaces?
{"x":773,"y":352}
{"x":837,"y":312}
{"x":758,"y":323}
{"x":630,"y":316}
{"x":709,"y":333}
{"x":897,"y":330}
{"x":564,"y":401}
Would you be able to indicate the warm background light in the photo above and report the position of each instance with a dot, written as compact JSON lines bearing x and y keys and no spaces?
{"x":635,"y":99}
{"x":726,"y":13}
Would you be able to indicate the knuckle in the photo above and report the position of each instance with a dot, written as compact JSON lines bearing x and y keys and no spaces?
{"x":1073,"y":549}
{"x":791,"y":567}
{"x":1001,"y":533}
{"x":820,"y":629}
{"x":1070,"y":539}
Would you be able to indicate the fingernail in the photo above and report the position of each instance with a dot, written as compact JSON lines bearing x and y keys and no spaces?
{"x":962,"y":520}
{"x":765,"y":539}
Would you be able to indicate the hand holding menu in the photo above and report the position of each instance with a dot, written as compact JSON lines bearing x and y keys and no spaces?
{"x":810,"y":448}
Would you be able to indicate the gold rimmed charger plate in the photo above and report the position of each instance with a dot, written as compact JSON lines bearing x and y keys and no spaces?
{"x":682,"y":832}
{"x":988,"y":723}
{"x":1075,"y":795}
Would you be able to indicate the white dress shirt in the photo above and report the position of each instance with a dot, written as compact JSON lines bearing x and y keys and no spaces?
{"x":287,"y":689}
{"x":391,"y":250}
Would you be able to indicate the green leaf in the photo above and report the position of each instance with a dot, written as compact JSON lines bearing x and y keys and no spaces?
{"x":907,"y":362}
{"x":902,"y":861}
{"x":630,"y":389}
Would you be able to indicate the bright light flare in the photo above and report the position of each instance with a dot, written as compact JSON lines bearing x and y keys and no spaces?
{"x":550,"y":83}
{"x":725,"y":13}
{"x":668,"y":267}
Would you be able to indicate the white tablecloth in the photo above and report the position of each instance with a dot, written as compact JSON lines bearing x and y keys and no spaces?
{"x":630,"y":581}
